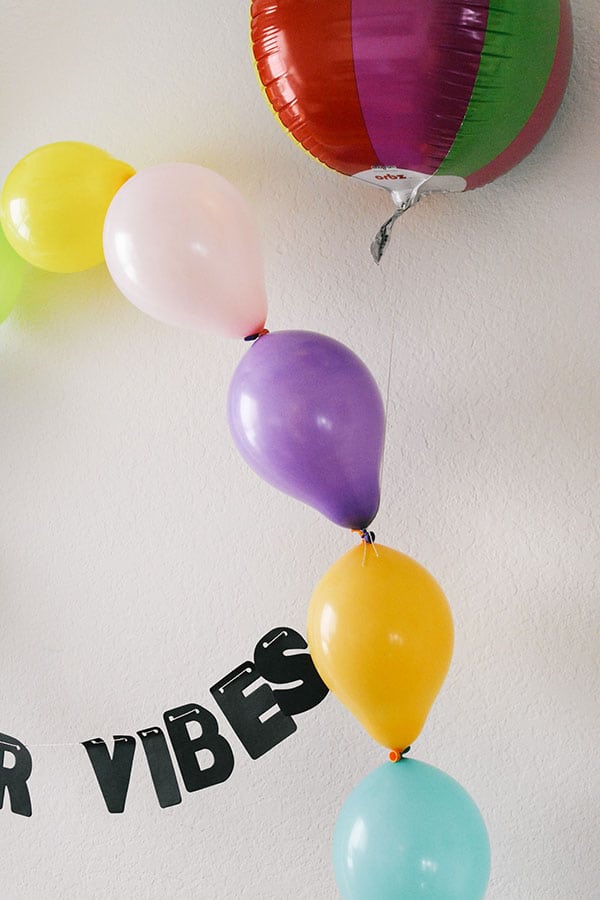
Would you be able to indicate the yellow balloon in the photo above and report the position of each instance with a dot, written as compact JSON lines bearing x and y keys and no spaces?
{"x":380,"y":634}
{"x":54,"y":202}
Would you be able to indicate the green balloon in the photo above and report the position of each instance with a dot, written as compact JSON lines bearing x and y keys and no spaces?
{"x":12,"y":271}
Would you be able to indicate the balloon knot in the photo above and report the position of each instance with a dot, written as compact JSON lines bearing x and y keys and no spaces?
{"x":254,"y":337}
{"x":368,"y":537}
{"x":396,"y":755}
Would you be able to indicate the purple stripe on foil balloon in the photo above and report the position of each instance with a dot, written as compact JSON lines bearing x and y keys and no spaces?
{"x":415,"y":65}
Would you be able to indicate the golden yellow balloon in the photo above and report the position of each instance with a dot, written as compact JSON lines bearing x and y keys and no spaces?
{"x":380,"y":634}
{"x":54,"y":202}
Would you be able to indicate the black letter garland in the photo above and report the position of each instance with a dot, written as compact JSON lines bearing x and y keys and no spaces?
{"x":261,"y":717}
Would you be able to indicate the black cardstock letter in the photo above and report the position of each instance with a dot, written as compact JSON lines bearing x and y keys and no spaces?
{"x":252,"y":713}
{"x":161,"y":767}
{"x":14,"y":778}
{"x":278,"y":666}
{"x":186,"y":747}
{"x":113,"y":773}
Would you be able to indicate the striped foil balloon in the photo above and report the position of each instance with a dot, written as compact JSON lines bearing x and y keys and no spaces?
{"x":414,"y":95}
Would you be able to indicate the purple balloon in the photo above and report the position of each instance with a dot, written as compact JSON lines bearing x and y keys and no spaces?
{"x":307,"y":416}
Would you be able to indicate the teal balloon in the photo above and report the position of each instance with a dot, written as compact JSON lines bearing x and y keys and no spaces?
{"x":410,"y":831}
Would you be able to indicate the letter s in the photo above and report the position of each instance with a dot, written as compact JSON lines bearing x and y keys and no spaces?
{"x":275,"y":659}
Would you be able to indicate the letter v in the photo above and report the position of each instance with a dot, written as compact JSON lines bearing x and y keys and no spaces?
{"x":113,"y":773}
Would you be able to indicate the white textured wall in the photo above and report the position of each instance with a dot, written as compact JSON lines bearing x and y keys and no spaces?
{"x":140,"y":560}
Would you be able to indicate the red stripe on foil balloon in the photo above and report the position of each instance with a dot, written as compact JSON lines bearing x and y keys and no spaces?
{"x":305,"y":62}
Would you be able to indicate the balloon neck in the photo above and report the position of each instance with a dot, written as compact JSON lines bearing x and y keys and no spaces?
{"x":367,"y":537}
{"x":396,"y":755}
{"x":403,"y":200}
{"x":259,"y":334}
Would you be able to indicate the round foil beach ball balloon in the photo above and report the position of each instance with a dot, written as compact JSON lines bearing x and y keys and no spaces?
{"x":414,"y":95}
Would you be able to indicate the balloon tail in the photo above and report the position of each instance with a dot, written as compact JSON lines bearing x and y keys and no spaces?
{"x":396,"y":755}
{"x":387,"y":398}
{"x":404,"y":201}
{"x":368,"y":537}
{"x":259,"y":334}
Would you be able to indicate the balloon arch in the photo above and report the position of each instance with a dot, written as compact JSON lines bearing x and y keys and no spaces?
{"x":409,"y":96}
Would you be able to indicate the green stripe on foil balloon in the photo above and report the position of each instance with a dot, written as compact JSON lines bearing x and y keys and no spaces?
{"x":12,"y":271}
{"x":518,"y":53}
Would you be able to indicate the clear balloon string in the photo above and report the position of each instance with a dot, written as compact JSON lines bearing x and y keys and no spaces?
{"x":387,"y":399}
{"x":53,"y":746}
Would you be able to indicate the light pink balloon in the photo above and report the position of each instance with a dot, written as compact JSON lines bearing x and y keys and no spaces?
{"x":181,"y":244}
